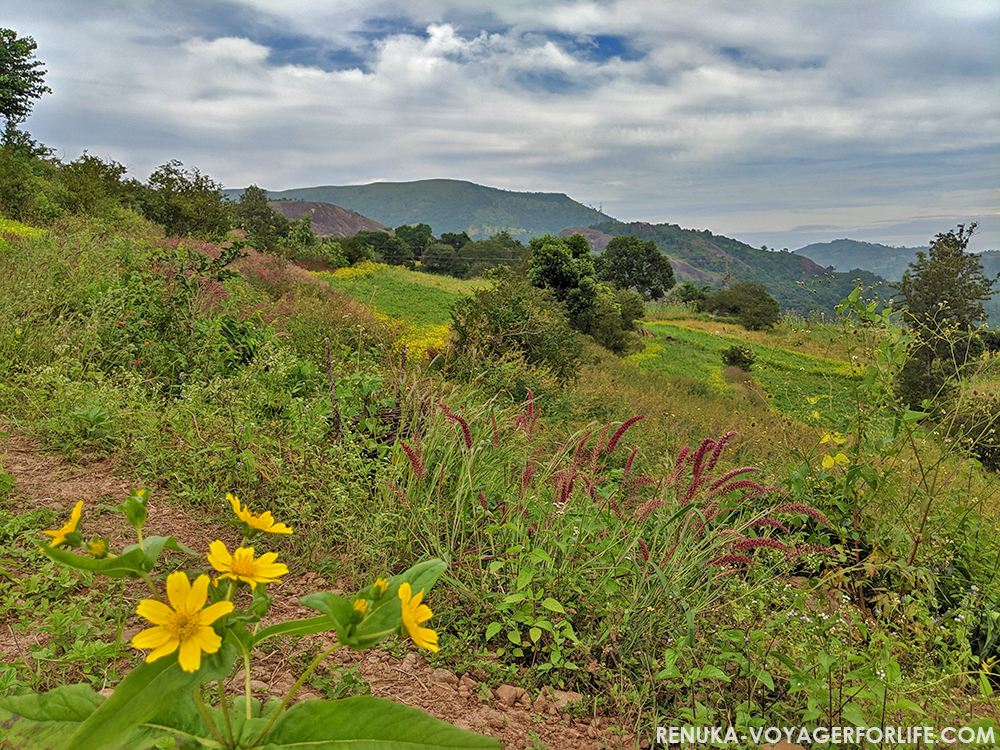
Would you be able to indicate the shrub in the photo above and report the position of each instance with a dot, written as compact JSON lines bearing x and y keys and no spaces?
{"x":739,"y":356}
{"x":747,"y":302}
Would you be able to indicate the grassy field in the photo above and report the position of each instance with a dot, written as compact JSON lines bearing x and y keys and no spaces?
{"x":418,"y":304}
{"x":810,"y":388}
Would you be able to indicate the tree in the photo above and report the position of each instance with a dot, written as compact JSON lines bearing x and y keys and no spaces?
{"x":417,"y":236}
{"x":264,"y":226}
{"x":942,"y":294}
{"x":946,"y":288}
{"x":21,"y":78}
{"x":184,"y":202}
{"x":629,"y":262}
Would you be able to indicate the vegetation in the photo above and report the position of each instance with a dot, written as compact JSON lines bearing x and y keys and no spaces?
{"x":629,"y":263}
{"x":788,"y":544}
{"x":747,"y":302}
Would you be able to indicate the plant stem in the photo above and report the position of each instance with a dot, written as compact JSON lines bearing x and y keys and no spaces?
{"x":305,"y":676}
{"x":149,"y":582}
{"x":211,"y":724}
{"x":246,"y":681}
{"x":225,"y":710}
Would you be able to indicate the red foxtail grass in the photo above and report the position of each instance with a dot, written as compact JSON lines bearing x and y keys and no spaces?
{"x":799,"y":508}
{"x":617,"y":436}
{"x":466,"y":432}
{"x":528,"y":417}
{"x":398,"y":492}
{"x":416,"y":456}
{"x":496,"y":432}
{"x":644,"y":549}
{"x":628,"y":464}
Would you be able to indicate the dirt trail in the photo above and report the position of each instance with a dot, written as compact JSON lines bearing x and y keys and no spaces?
{"x":505,"y":712}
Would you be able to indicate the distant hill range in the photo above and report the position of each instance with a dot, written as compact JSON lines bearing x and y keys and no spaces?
{"x":892,"y":262}
{"x":797,"y":282}
{"x":888,"y":262}
{"x":328,"y":220}
{"x":452,"y":206}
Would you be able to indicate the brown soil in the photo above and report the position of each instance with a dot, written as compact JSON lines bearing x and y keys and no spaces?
{"x":519,"y":720}
{"x":328,"y":220}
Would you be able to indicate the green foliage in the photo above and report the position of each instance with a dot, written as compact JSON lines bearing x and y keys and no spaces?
{"x":946,"y":287}
{"x":628,"y":262}
{"x":688,"y":291}
{"x":512,"y":315}
{"x":264,"y":227}
{"x":739,"y":356}
{"x":183,"y":201}
{"x":384,"y":247}
{"x":748,"y":302}
{"x":416,"y":236}
{"x":21,"y":78}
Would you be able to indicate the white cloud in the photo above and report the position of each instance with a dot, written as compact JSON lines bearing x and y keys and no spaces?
{"x":741,"y":112}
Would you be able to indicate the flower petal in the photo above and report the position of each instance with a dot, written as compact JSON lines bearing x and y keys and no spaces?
{"x":190,"y":655}
{"x":207,"y":639}
{"x":213,"y":612}
{"x":167,"y":648}
{"x":199,"y":593}
{"x":178,"y":589}
{"x":151,"y":637}
{"x":156,"y":612}
{"x":219,"y":557}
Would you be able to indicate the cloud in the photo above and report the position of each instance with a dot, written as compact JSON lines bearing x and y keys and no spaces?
{"x":737,"y":112}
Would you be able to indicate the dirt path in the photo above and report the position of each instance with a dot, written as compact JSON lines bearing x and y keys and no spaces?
{"x":505,"y":712}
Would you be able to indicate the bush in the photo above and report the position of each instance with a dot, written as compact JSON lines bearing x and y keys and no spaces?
{"x":512,"y":315}
{"x":739,"y":356}
{"x":748,"y":302}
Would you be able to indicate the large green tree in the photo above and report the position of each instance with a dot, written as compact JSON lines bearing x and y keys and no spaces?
{"x":946,"y":287}
{"x":264,"y":226}
{"x":629,"y":262}
{"x":22,"y":78}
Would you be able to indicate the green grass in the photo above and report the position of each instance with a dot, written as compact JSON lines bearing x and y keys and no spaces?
{"x":411,"y":296}
{"x":788,"y":378}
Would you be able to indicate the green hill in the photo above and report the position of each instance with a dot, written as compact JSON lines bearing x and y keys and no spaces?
{"x":454,"y":206}
{"x":890,"y":262}
{"x":797,"y":282}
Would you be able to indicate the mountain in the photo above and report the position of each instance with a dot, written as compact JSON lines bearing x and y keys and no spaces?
{"x":328,"y":220}
{"x":797,"y":282}
{"x":888,"y":262}
{"x":453,"y":206}
{"x":892,"y":262}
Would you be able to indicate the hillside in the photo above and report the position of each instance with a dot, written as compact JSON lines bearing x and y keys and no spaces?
{"x":328,"y":220}
{"x":454,"y":206}
{"x":797,"y":282}
{"x":890,"y":262}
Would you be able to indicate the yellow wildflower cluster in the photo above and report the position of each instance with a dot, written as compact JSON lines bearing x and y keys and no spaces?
{"x":360,"y":271}
{"x":16,"y":228}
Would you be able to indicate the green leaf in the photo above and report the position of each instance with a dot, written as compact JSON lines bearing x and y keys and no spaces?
{"x":492,"y":629}
{"x":534,"y":634}
{"x":305,"y":626}
{"x":552,"y":605}
{"x":853,"y":714}
{"x":125,"y":565}
{"x":710,"y":672}
{"x":146,"y":691}
{"x":524,"y":577}
{"x":367,"y":723}
{"x":514,"y":637}
{"x":336,"y":608}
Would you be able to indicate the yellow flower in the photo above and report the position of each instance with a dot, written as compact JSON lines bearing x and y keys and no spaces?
{"x":361,"y":605}
{"x":263,"y":522}
{"x":836,"y":437}
{"x":184,"y":624}
{"x":97,"y":548}
{"x":812,"y":399}
{"x":59,"y":535}
{"x":380,"y":585}
{"x":415,"y":613}
{"x":815,"y":414}
{"x":830,"y":461}
{"x":241,"y":565}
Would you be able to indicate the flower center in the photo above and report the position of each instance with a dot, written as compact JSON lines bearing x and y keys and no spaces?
{"x":243,"y":563}
{"x":184,"y":625}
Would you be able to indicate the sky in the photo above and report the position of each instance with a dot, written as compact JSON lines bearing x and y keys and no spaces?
{"x":777,"y":122}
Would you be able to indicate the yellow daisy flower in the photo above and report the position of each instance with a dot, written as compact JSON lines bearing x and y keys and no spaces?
{"x":184,"y":624}
{"x":59,"y":535}
{"x":380,"y":585}
{"x":415,"y":613}
{"x":97,"y":548}
{"x":241,"y":565}
{"x":263,"y":522}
